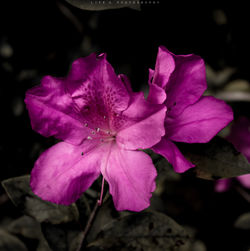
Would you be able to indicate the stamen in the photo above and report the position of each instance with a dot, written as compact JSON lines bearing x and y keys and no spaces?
{"x":89,"y":137}
{"x":108,"y":139}
{"x":100,"y":200}
{"x":97,"y":129}
{"x":100,"y":56}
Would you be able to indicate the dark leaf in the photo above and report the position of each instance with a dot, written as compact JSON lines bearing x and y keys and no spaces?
{"x":216,"y":159}
{"x":63,"y":237}
{"x":25,"y":226}
{"x":19,"y":191}
{"x":103,"y":5}
{"x":28,"y":227}
{"x":243,"y":222}
{"x":10,"y":242}
{"x":195,"y":245}
{"x":141,"y":231}
{"x":43,"y":246}
{"x":164,"y":168}
{"x":105,"y":214}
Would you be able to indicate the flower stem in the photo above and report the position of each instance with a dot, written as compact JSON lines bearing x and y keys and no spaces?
{"x":92,"y":216}
{"x":88,"y":225}
{"x":100,"y":200}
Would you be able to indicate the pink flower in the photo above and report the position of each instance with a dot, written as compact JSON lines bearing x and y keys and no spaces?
{"x":240,"y":137}
{"x":179,"y":81}
{"x":103,"y":124}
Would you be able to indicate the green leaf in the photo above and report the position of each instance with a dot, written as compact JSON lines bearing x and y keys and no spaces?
{"x":43,"y":246}
{"x":19,"y":191}
{"x":243,"y":222}
{"x":164,"y":168}
{"x":216,"y":159}
{"x":25,"y":226}
{"x":104,"y":5}
{"x":104,"y":215}
{"x":141,"y":231}
{"x":10,"y":242}
{"x":28,"y":227}
{"x":63,"y":237}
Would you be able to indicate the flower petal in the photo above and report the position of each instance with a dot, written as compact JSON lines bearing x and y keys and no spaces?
{"x":169,"y":150}
{"x":244,"y":180}
{"x":53,"y":113}
{"x":156,"y":94}
{"x":64,"y":172}
{"x":144,"y":124}
{"x":164,"y":66}
{"x":222,"y":185}
{"x":82,"y":68}
{"x":131,"y":177}
{"x":126,"y":82}
{"x":187,"y":82}
{"x":199,"y":122}
{"x":96,"y":91}
{"x":93,"y":84}
{"x":151,"y":73}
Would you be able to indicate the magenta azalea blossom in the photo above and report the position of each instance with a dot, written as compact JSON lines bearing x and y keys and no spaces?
{"x":179,"y":81}
{"x":240,"y":137}
{"x":102,"y":124}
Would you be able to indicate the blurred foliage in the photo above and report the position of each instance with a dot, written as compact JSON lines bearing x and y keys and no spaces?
{"x":243,"y":222}
{"x":19,"y":191}
{"x":216,"y":159}
{"x":10,"y":242}
{"x":143,"y":231}
{"x":42,"y":38}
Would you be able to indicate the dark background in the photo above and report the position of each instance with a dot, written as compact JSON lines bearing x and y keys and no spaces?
{"x":43,"y":37}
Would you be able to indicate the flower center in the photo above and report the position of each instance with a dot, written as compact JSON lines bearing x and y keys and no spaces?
{"x":103,"y":135}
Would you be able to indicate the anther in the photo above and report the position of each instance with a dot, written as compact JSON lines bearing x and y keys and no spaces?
{"x":104,"y":117}
{"x":86,"y":124}
{"x":100,"y":56}
{"x":89,"y":137}
{"x":97,"y":129}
